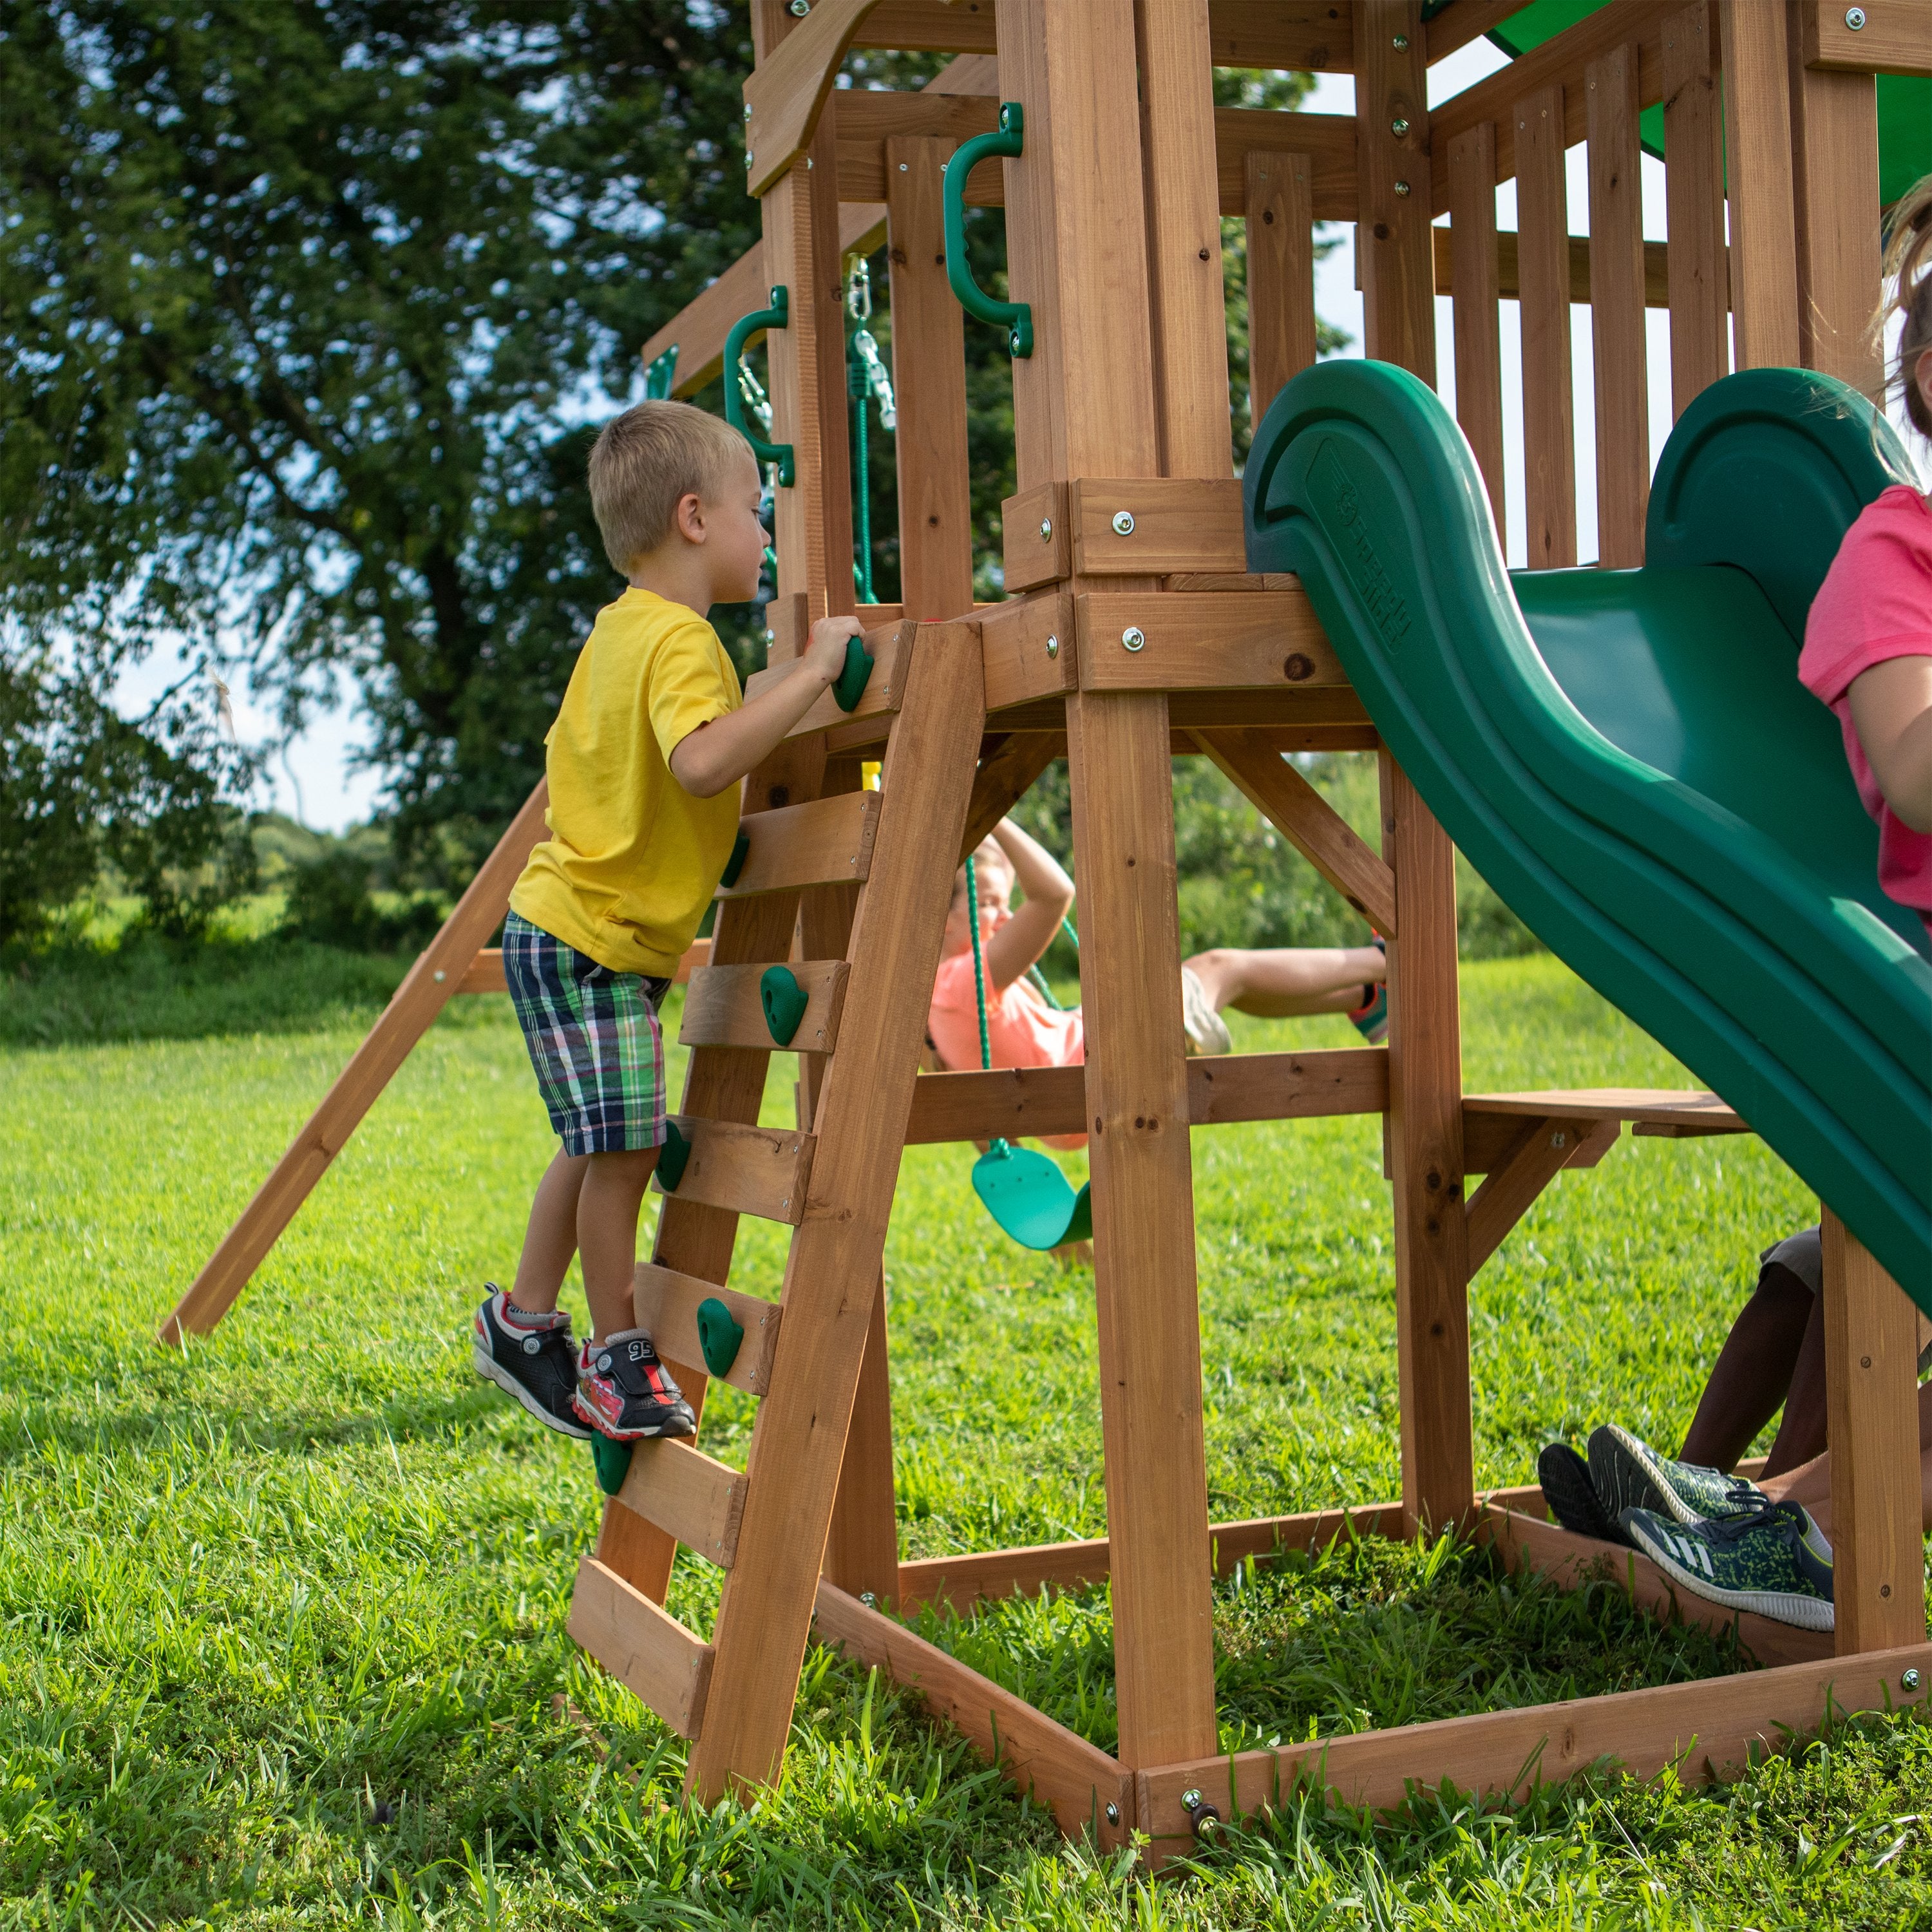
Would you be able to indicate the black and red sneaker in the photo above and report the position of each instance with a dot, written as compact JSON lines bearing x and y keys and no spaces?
{"x":530,"y":1358}
{"x":623,"y":1391}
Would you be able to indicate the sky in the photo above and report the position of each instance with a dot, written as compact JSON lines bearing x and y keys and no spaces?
{"x":321,"y":781}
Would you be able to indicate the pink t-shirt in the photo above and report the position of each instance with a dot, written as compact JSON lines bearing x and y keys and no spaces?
{"x":1875,"y":603}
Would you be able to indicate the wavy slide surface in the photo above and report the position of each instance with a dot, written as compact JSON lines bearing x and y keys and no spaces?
{"x":1628,"y":756}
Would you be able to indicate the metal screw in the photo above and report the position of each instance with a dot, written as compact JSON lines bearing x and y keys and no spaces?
{"x":1123,"y":523}
{"x":902,"y":167}
{"x":1013,"y":341}
{"x":1190,"y":1799}
{"x":1558,"y":1139}
{"x":1402,"y":43}
{"x":871,"y":1602}
{"x":799,"y":8}
{"x":1855,"y":18}
{"x":440,"y":977}
{"x":1134,"y":637}
{"x":1402,"y":189}
{"x":748,"y":157}
{"x":748,"y":110}
{"x":1113,"y":1810}
{"x":1046,"y":529}
{"x":1053,"y":646}
{"x":1398,"y":127}
{"x":1910,"y":1681}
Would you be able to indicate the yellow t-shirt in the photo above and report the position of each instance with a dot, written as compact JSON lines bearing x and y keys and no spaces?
{"x":632,"y":859}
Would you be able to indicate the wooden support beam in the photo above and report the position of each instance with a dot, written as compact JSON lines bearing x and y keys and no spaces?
{"x":1757,"y":148}
{"x":1541,"y":1152}
{"x":785,"y":92}
{"x":666,"y":1302}
{"x":826,"y":841}
{"x":761,"y":1170}
{"x":1550,"y":455}
{"x":1476,"y":274}
{"x":1871,"y":1351}
{"x":1432,"y":1250}
{"x":435,"y":976}
{"x":646,"y":1649}
{"x":1306,"y":821}
{"x":1174,"y":641}
{"x":1003,"y":779}
{"x":1893,"y":36}
{"x":1699,"y":268}
{"x":1621,"y":353}
{"x":929,"y":375}
{"x":1173,"y":523}
{"x":891,"y":647}
{"x":1392,"y":238}
{"x":1279,"y":206}
{"x":724,"y":1007}
{"x":1508,"y":283}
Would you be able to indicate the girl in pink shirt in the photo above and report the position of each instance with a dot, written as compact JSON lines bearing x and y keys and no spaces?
{"x":1868,"y":641}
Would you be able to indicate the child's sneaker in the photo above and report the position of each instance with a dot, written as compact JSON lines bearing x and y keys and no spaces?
{"x":1207,"y":1031}
{"x":529,"y":1358}
{"x":1629,"y":1473}
{"x":1371,"y":1018}
{"x":1769,"y":1557}
{"x":1572,"y":1497}
{"x":625,"y":1393}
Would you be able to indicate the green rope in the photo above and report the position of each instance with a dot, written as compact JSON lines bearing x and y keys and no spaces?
{"x":862,"y":494}
{"x":979,"y":964}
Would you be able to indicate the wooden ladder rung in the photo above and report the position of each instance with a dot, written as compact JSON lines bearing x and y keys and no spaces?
{"x":667,"y":1304}
{"x":724,"y":1007}
{"x":827,"y":841}
{"x":646,"y":1649}
{"x":890,"y":645}
{"x":750,"y":1170}
{"x":688,"y":1494}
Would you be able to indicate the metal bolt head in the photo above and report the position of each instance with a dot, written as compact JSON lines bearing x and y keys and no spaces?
{"x":748,"y":157}
{"x":1013,"y":342}
{"x":1053,"y":646}
{"x":1190,"y":1799}
{"x":1398,"y":127}
{"x":1910,"y":1680}
{"x":748,"y":110}
{"x":1401,"y":44}
{"x":1855,"y":18}
{"x":1123,"y":523}
{"x":799,"y":8}
{"x":1134,"y":637}
{"x":1402,"y":189}
{"x":1046,"y":529}
{"x":1113,"y":1810}
{"x":440,"y":977}
{"x":871,"y":1602}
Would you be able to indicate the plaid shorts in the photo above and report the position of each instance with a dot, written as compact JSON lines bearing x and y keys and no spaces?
{"x":594,"y":1041}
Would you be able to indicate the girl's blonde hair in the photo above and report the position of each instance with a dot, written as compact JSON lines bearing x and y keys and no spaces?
{"x":1908,"y":291}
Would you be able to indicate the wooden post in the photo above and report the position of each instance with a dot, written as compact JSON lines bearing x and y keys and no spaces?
{"x":1392,"y":238}
{"x":1835,"y":198}
{"x":1620,"y":350}
{"x":1871,"y":1386}
{"x":428,"y":984}
{"x":1757,"y":150}
{"x":929,"y":377}
{"x":1476,"y":303}
{"x":832,"y":1275}
{"x":1074,"y":207}
{"x":1279,"y":206}
{"x":1425,"y":1140}
{"x":1542,"y":272}
{"x":1700,"y":272}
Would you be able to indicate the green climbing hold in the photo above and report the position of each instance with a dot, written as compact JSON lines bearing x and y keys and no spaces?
{"x":719,"y":1334}
{"x":741,"y":850}
{"x":784,"y":1001}
{"x":851,"y":685}
{"x":671,"y":1158}
{"x":612,"y":1461}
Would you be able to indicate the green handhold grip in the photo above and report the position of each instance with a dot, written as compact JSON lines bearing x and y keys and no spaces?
{"x":741,"y":850}
{"x":779,"y":316}
{"x":784,"y":1001}
{"x":672,"y":1157}
{"x":719,"y":1334}
{"x":852,"y":680}
{"x":612,"y":1462}
{"x":1015,"y":318}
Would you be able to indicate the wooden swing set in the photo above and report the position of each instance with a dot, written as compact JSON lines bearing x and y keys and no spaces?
{"x":1131,"y":633}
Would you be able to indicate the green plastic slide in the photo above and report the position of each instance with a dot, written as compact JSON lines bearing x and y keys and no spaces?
{"x":1628,"y":756}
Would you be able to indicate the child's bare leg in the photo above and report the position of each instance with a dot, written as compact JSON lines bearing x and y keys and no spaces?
{"x":607,"y":1234}
{"x":551,"y":1239}
{"x":1810,"y":1483}
{"x":1276,"y":981}
{"x":1801,"y":1432}
{"x":1753,"y":1374}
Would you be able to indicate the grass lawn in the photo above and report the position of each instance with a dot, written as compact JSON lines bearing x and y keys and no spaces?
{"x":281,"y":1620}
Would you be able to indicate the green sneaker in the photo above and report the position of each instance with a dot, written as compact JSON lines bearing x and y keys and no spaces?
{"x":1629,"y":1473}
{"x":1769,"y":1557}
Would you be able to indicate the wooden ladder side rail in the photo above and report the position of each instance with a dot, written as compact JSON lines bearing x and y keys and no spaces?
{"x":427,"y":986}
{"x":798,"y":1440}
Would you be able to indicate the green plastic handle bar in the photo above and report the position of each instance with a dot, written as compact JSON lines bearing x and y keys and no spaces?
{"x":1015,"y":318}
{"x":779,"y":316}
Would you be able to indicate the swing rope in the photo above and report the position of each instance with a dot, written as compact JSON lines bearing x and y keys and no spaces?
{"x":978,"y":962}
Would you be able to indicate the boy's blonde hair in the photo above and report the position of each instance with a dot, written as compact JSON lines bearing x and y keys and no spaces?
{"x":1908,"y":275}
{"x":644,"y":461}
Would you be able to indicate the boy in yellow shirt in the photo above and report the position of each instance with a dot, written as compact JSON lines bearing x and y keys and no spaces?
{"x":643,"y":762}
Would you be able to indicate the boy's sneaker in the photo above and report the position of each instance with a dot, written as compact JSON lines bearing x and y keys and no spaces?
{"x":1207,"y":1031}
{"x":529,"y":1358}
{"x":1629,"y":1475}
{"x":1769,"y":1557}
{"x":1572,"y":1496}
{"x":625,"y":1393}
{"x":1371,"y":1018}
